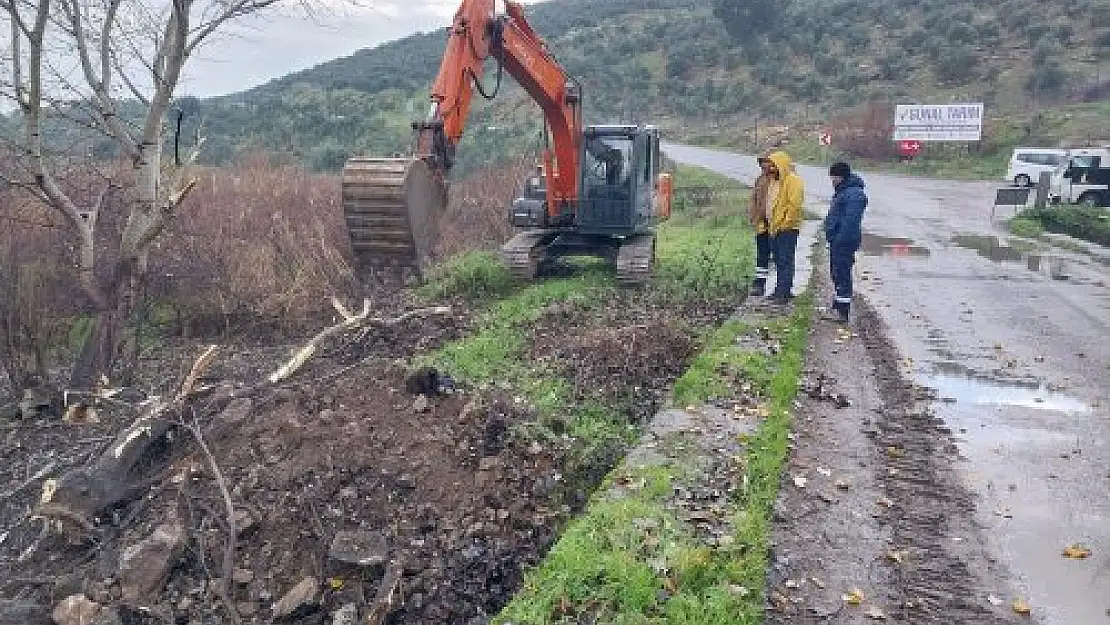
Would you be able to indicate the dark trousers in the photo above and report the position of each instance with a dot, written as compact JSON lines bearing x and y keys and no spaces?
{"x":784,"y":246}
{"x":840,"y":266}
{"x":762,"y":258}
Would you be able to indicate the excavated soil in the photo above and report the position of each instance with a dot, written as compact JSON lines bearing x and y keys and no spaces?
{"x":878,"y":508}
{"x":450,"y":486}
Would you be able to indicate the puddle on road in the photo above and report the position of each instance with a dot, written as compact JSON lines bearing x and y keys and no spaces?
{"x":953,"y":381}
{"x":991,"y":248}
{"x":875,"y":245}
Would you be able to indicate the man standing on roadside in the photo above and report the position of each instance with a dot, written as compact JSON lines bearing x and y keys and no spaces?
{"x":843,"y":231}
{"x":757,"y":215}
{"x":785,"y":196}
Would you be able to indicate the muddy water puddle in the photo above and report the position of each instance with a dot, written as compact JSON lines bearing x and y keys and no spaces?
{"x":993,"y":249}
{"x":875,"y":245}
{"x":955,"y":383}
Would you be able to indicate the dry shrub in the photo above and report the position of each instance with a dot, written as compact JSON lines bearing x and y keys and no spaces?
{"x":865,"y":132}
{"x":36,"y":296}
{"x":477,"y":213}
{"x":256,"y":246}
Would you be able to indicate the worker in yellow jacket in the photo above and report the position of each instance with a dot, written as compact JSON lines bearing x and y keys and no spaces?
{"x":757,"y":215}
{"x":782,"y":202}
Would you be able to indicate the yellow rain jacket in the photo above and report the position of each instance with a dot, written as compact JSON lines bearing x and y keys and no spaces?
{"x":786,"y":214}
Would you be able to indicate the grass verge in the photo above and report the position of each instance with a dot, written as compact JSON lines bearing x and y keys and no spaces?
{"x":1089,"y":224}
{"x":1025,"y":227}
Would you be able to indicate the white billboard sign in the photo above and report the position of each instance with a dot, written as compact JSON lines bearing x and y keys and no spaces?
{"x":938,"y":122}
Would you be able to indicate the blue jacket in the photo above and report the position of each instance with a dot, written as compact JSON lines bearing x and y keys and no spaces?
{"x":843,"y":224}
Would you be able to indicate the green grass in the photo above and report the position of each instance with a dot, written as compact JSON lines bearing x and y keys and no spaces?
{"x":496,"y":351}
{"x":613,"y":563}
{"x":474,"y":276}
{"x":1026,"y":227}
{"x":706,"y":253}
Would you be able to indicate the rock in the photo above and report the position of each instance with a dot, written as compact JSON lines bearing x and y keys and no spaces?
{"x":302,"y":599}
{"x":236,"y":411}
{"x":242,"y":576}
{"x":80,"y":610}
{"x":245,"y":523}
{"x":421,"y":404}
{"x":10,"y":411}
{"x":145,"y":566}
{"x":34,"y":403}
{"x":361,"y":548}
{"x":247,"y":608}
{"x":347,"y":615}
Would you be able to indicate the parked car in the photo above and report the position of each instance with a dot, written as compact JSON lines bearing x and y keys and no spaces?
{"x":1083,"y":178}
{"x":1026,"y":164}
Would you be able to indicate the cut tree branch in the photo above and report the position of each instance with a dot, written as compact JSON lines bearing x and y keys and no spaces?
{"x":350,"y":321}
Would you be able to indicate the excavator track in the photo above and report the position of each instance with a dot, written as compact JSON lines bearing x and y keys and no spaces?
{"x":392,"y":208}
{"x":635,"y":260}
{"x":524,"y":253}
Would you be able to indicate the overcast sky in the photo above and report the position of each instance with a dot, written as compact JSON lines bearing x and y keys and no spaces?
{"x":264,"y":48}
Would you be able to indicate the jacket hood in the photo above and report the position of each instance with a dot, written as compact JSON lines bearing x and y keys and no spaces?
{"x":851,"y":181}
{"x":782,"y":162}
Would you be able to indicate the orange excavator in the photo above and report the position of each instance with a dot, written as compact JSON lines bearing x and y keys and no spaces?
{"x":599,"y":190}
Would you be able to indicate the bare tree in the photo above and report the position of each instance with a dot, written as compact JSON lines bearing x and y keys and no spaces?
{"x":110,"y":67}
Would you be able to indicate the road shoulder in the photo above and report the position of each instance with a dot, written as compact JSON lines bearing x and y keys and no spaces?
{"x":871,"y":522}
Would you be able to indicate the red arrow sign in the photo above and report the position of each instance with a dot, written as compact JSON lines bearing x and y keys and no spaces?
{"x":909,"y":147}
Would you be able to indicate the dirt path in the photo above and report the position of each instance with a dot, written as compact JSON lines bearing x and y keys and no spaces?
{"x":870,"y":507}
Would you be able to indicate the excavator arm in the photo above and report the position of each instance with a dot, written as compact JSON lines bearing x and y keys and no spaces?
{"x":392,"y":206}
{"x":476,"y":35}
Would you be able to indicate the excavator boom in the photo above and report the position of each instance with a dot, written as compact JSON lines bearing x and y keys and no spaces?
{"x":393,"y":205}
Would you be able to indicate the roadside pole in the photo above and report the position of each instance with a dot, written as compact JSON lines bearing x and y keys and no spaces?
{"x":1043,"y":182}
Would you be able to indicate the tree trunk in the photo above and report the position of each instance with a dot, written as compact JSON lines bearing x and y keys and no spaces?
{"x":99,"y":353}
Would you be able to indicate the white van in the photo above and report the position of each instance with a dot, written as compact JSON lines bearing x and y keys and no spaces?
{"x":1026,"y":164}
{"x":1083,"y":178}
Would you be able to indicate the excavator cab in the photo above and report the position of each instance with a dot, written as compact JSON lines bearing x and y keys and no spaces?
{"x":622,"y":196}
{"x":620,"y":165}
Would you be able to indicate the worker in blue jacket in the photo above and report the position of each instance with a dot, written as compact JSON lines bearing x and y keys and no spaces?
{"x":844,"y":232}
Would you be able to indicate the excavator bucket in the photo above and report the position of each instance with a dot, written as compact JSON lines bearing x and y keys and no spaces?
{"x":393,"y":207}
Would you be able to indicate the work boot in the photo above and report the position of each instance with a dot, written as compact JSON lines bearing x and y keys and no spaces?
{"x":837,"y":313}
{"x":780,"y":299}
{"x":759,"y":285}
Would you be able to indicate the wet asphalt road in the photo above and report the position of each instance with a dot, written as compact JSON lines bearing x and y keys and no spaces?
{"x":1015,"y":342}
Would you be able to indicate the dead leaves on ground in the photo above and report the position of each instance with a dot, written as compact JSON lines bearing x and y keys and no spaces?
{"x":1076,"y":552}
{"x":855,"y":597}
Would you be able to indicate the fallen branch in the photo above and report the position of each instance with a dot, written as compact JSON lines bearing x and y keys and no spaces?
{"x":81,"y":495}
{"x":224,"y":587}
{"x":350,"y":321}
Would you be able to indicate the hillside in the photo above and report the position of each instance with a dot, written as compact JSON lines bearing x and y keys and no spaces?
{"x":674,"y":63}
